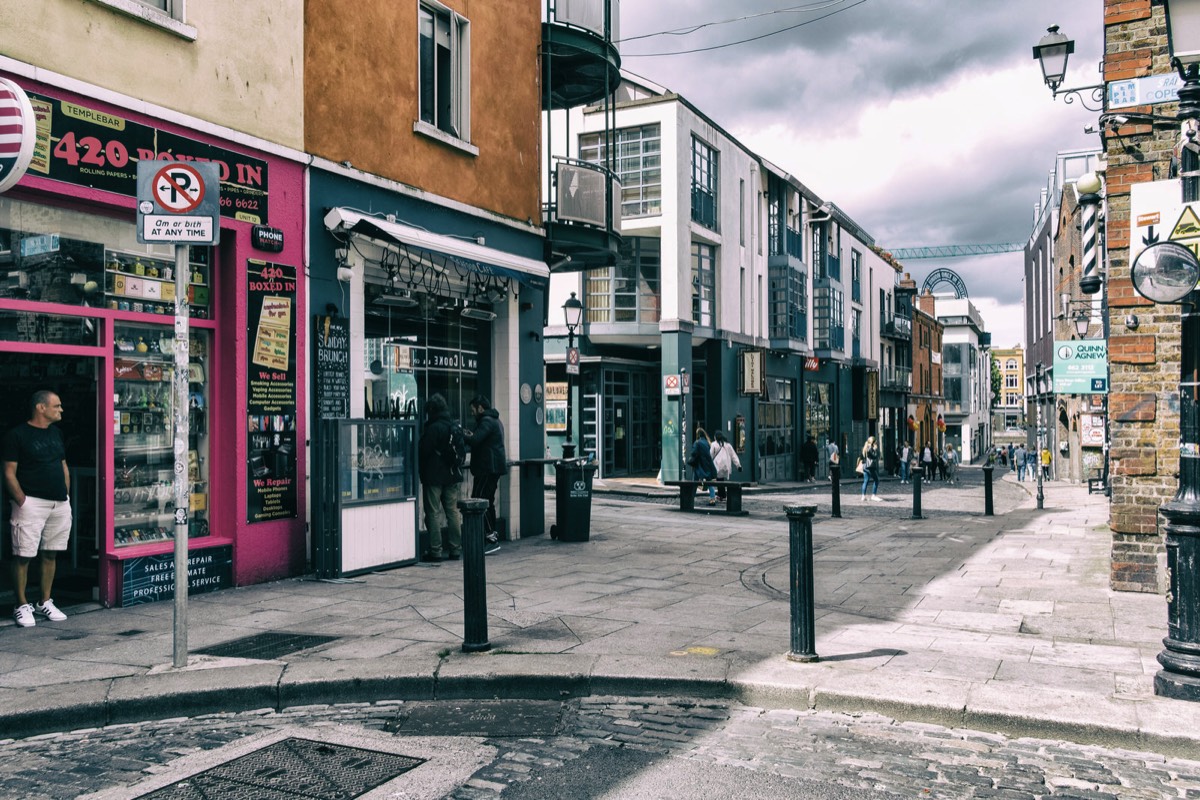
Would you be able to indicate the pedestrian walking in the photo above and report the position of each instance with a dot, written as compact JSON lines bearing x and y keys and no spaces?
{"x":1046,"y":463}
{"x":441,"y":452}
{"x":39,"y":486}
{"x":906,"y":454}
{"x":701,"y":462}
{"x":808,"y":457}
{"x":725,"y":460}
{"x":832,"y":455}
{"x":488,"y":463}
{"x":1019,"y":462}
{"x":927,"y":462}
{"x":870,"y":468}
{"x":950,"y":459}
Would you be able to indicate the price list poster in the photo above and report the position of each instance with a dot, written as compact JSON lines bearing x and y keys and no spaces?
{"x":271,"y":388}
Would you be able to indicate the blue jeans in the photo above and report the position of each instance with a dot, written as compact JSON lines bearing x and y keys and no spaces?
{"x":1021,"y":471}
{"x":699,"y":474}
{"x":904,"y":471}
{"x":870,"y":474}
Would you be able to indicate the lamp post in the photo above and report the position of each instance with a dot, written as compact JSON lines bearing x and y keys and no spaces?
{"x":573,"y":314}
{"x":1168,"y":273}
{"x":1041,"y":431}
{"x":1052,"y":52}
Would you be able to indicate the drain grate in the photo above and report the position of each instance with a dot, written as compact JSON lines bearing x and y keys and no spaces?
{"x":292,"y":768}
{"x":266,"y":646}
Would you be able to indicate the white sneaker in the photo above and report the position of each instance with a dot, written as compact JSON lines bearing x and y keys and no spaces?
{"x":49,"y":611}
{"x":875,"y":497}
{"x":24,"y":616}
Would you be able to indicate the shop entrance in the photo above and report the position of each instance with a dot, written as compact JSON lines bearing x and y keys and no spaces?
{"x":75,"y":379}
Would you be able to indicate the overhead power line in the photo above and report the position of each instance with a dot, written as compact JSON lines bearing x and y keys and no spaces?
{"x":743,"y":41}
{"x":693,"y":28}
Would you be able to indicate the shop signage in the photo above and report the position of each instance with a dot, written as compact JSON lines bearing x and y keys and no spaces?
{"x":178,"y":203}
{"x":556,"y":407}
{"x":331,"y":367}
{"x":812,"y":364}
{"x":18,"y":133}
{"x":1081,"y":366}
{"x":752,"y":371}
{"x":1091,"y":427}
{"x":264,"y":237}
{"x":81,"y":145}
{"x":271,"y":391}
{"x":872,"y":395}
{"x":149,"y":578}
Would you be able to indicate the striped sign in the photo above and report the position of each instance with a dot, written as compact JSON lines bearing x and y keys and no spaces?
{"x":17,"y":133}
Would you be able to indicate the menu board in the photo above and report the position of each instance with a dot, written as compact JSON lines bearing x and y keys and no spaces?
{"x":271,"y":471}
{"x":331,"y":367}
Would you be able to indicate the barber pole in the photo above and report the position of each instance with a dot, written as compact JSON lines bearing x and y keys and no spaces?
{"x":17,"y":132}
{"x":1089,"y":187}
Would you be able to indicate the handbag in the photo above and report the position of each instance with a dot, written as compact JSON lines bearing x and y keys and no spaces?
{"x":693,"y":461}
{"x":859,"y":467}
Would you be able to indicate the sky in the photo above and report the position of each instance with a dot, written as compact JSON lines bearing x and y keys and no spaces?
{"x":926,"y":121}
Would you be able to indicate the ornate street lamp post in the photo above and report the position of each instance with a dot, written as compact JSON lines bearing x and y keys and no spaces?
{"x":573,"y":314}
{"x":1041,"y":431}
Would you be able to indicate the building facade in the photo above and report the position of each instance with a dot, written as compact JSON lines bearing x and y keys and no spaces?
{"x":926,"y":424}
{"x":1008,"y":412}
{"x":966,"y":378}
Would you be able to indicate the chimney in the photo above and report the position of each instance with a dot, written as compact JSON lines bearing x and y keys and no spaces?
{"x":927,"y":303}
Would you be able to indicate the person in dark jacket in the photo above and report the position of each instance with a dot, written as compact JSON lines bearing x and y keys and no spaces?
{"x":441,"y":480}
{"x":488,"y":462}
{"x":808,"y":457}
{"x":703,"y":468}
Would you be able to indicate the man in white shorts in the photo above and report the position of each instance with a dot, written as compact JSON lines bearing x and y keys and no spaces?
{"x":38,"y":483}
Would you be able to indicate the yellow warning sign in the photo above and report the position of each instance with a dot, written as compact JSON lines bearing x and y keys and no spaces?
{"x":1187,"y":230}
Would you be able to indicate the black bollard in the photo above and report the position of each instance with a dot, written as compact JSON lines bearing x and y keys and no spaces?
{"x":475,"y":632}
{"x":916,"y":484}
{"x":835,"y":480}
{"x":988,"y":510}
{"x":804,"y":626}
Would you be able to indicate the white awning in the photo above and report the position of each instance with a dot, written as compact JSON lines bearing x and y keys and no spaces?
{"x":476,"y":257}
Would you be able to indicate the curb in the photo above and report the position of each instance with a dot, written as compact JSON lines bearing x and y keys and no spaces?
{"x":1145,"y":725}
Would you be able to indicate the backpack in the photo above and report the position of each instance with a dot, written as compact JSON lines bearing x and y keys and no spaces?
{"x":453,"y":452}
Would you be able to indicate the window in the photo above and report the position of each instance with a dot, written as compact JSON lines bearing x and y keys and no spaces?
{"x":627,"y":292}
{"x":1010,"y":382}
{"x":444,"y":54}
{"x":742,"y":212}
{"x":704,"y":278}
{"x":789,"y":304}
{"x":704,"y":184}
{"x":856,"y":276}
{"x":165,"y":14}
{"x":1010,"y":363}
{"x":638,"y":165}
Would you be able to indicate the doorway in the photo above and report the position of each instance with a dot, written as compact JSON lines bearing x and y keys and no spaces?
{"x":620,"y":437}
{"x":75,"y":379}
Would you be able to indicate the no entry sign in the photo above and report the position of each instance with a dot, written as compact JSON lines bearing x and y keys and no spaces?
{"x":178,"y":202}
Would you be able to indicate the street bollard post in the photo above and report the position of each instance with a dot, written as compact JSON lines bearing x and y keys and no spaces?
{"x":475,"y":628}
{"x":804,"y":627}
{"x":988,"y":510}
{"x":917,"y":474}
{"x":835,"y":482}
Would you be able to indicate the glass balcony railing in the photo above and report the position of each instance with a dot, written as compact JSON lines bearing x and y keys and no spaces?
{"x":586,"y":193}
{"x":896,"y":379}
{"x":589,"y":15}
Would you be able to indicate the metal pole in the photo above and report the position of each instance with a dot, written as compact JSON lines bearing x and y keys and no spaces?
{"x":568,"y":449}
{"x":988,"y":510}
{"x":835,"y":482}
{"x":1037,"y":462}
{"x":475,"y":628}
{"x":804,"y":628}
{"x":182,"y":419}
{"x":916,"y":484}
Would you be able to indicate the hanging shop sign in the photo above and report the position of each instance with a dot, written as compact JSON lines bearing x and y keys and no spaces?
{"x":18,"y":133}
{"x":84,"y":146}
{"x":752,"y":372}
{"x":872,"y":395}
{"x":331,"y":367}
{"x":266,"y":238}
{"x":271,"y":391}
{"x":149,"y":578}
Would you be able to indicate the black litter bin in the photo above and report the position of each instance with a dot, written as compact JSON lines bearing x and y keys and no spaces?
{"x":573,"y":500}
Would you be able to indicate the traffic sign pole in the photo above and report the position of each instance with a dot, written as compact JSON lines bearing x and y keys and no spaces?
{"x":183,"y":421}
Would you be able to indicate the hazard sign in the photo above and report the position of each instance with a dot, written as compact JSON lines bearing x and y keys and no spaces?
{"x":1186,"y":230}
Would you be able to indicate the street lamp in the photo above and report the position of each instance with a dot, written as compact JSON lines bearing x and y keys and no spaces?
{"x":1041,"y":431}
{"x":1052,"y":51}
{"x":1168,"y":273}
{"x":573,"y":314}
{"x":1082,"y":321}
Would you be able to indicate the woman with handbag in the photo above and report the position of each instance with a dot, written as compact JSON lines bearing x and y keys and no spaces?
{"x":870,"y":468}
{"x":724,"y":459}
{"x":701,"y":463}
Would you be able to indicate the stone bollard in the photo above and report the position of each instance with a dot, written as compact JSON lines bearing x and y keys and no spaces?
{"x":917,"y":474}
{"x":835,"y":481}
{"x":988,"y":510}
{"x":804,"y":633}
{"x":475,"y":629}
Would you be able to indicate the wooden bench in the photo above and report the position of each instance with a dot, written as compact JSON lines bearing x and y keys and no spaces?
{"x":733,"y":496}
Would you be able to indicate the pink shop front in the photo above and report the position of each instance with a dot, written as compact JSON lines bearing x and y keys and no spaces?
{"x":88,"y":312}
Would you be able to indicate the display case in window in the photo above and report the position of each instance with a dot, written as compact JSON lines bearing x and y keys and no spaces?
{"x":143,"y":432}
{"x":146,"y":284}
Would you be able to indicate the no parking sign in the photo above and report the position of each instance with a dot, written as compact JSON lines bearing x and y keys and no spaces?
{"x":178,"y":202}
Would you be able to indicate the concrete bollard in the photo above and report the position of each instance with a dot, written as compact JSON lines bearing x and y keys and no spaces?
{"x":988,"y":510}
{"x":835,"y":482}
{"x":917,"y":474}
{"x":804,"y":627}
{"x":475,"y":629}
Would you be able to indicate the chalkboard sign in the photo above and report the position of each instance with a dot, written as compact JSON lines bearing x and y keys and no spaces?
{"x":332,"y":367}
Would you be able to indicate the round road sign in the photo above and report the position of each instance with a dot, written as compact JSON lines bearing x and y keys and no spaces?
{"x":178,"y":188}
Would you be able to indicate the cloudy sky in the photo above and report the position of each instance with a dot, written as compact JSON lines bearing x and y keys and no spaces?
{"x":926,"y":121}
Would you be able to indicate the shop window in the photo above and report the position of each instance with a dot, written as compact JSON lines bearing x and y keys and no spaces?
{"x":444,"y":71}
{"x":143,"y":420}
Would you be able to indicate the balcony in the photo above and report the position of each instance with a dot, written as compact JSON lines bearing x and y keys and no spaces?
{"x":895,"y":379}
{"x":896,"y":327}
{"x":580,"y":60}
{"x":583,"y":219}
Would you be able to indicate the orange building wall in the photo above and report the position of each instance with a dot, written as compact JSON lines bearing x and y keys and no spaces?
{"x":360,"y":100}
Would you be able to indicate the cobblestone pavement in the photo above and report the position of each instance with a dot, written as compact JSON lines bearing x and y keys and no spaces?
{"x":869,"y":753}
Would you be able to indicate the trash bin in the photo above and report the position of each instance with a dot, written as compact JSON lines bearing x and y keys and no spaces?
{"x":572,"y":500}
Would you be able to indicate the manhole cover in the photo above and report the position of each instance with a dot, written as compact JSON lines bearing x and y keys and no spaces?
{"x":266,"y":646}
{"x":292,"y":768}
{"x":488,"y":718}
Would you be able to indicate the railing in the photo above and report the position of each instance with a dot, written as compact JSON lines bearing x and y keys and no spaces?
{"x":586,"y":193}
{"x":896,"y":379}
{"x":794,"y":243}
{"x":833,"y":267}
{"x":590,"y":15}
{"x":856,"y":292}
{"x":704,"y":208}
{"x":896,"y":326}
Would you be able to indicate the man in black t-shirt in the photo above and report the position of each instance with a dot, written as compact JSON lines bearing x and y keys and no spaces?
{"x":38,"y":483}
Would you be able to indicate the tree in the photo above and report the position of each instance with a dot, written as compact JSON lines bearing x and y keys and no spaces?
{"x":995,"y":383}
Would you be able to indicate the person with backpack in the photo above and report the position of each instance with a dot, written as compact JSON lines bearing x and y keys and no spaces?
{"x":488,"y":463}
{"x":441,"y":453}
